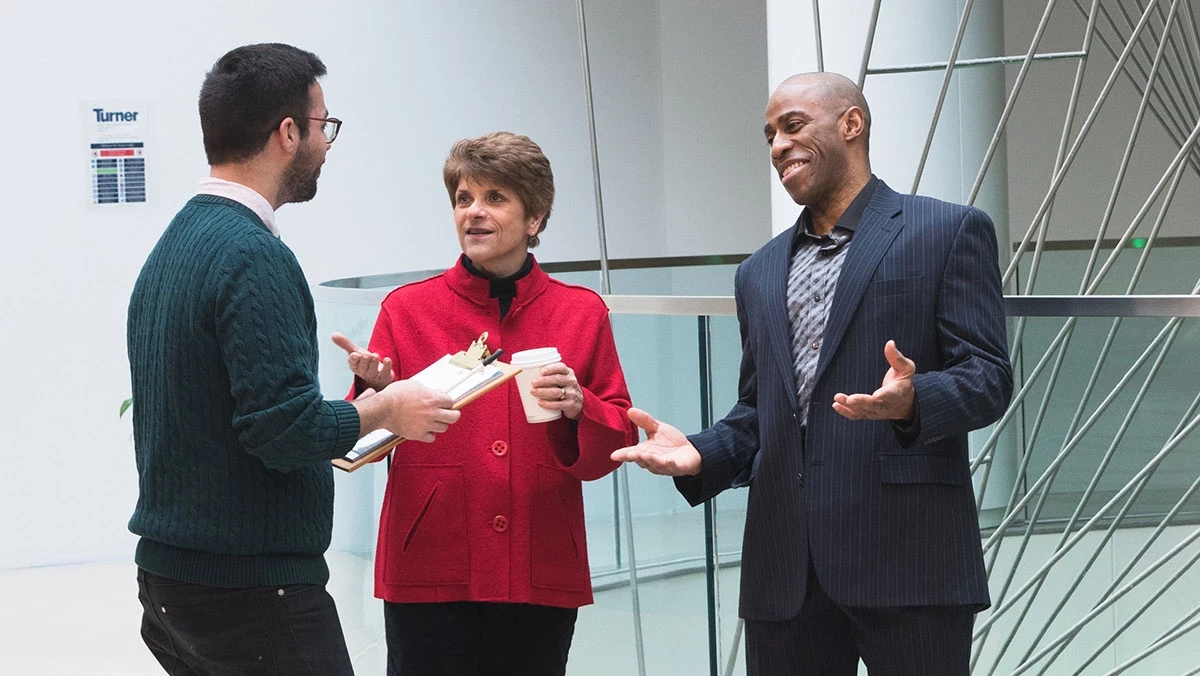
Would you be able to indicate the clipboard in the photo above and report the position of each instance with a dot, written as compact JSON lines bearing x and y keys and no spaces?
{"x":452,"y":374}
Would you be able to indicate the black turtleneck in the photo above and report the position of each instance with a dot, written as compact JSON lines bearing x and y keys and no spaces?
{"x":503,"y":289}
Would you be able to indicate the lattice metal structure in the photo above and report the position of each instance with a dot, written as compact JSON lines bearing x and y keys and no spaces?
{"x":1088,"y":484}
{"x":1090,"y":539}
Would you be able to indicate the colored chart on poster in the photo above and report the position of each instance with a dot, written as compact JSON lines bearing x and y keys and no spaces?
{"x":118,"y":173}
{"x":115,"y":137}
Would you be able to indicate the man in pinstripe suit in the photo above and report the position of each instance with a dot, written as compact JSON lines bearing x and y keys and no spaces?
{"x":873,"y":341}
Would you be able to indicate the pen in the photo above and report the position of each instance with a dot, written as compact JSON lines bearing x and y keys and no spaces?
{"x":477,"y":369}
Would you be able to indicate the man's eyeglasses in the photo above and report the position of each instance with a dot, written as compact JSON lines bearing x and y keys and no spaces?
{"x":330,"y":126}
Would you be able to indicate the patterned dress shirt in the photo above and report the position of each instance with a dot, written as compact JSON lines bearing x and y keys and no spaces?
{"x":812,"y":281}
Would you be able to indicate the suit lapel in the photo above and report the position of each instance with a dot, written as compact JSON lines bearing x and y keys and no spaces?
{"x":776,"y":263}
{"x":878,"y":228}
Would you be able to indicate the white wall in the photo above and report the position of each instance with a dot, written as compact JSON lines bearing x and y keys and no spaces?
{"x":409,"y":78}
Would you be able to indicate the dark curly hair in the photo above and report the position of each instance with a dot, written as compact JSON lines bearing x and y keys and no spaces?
{"x":248,"y":92}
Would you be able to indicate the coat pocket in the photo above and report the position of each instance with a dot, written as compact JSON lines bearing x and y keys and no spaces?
{"x":558,"y":556}
{"x":894,"y":286}
{"x":425,"y":526}
{"x":920,"y":468}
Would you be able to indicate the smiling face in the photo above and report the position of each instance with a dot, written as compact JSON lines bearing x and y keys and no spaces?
{"x":810,"y":132}
{"x":493,"y":228}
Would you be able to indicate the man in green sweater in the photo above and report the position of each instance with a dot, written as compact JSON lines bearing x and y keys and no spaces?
{"x":232,"y":436}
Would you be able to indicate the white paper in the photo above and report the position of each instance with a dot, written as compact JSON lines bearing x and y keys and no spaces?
{"x":443,"y":376}
{"x":455,"y":380}
{"x":366,"y":443}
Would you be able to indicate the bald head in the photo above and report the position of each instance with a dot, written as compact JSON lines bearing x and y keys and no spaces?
{"x":835,"y":90}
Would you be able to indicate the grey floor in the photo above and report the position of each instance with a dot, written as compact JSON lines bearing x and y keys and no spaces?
{"x":95,"y":605}
{"x":83,"y":618}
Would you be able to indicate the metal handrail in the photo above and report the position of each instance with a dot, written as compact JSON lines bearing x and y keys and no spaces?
{"x":1014,"y":306}
{"x":1180,"y":305}
{"x":1160,"y":305}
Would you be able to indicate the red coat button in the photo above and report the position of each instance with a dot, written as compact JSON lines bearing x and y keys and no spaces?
{"x":499,"y":523}
{"x":499,"y":448}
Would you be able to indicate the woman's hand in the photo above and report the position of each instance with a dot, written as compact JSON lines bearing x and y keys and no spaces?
{"x":557,"y":389}
{"x":375,"y":372}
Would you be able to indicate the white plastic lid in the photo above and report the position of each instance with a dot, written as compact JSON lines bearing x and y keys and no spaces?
{"x":539,"y":355}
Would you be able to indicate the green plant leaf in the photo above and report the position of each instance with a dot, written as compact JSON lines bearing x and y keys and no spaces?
{"x":125,"y":405}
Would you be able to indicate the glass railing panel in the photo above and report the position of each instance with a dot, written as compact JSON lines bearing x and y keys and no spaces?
{"x":660,"y":357}
{"x":1102,"y":416}
{"x":1094,"y":560}
{"x":1078,"y":435}
{"x":1169,"y":268}
{"x":357,"y":496}
{"x":730,"y":507}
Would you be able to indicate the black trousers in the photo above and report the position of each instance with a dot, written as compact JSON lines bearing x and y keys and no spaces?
{"x":194,"y":630}
{"x":827,"y":639}
{"x":477,"y":639}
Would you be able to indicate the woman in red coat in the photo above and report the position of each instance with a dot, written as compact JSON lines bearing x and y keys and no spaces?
{"x":482,"y":558}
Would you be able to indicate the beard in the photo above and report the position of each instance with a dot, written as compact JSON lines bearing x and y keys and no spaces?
{"x":299,"y":181}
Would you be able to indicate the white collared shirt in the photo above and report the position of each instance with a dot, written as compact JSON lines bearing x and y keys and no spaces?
{"x":244,"y":195}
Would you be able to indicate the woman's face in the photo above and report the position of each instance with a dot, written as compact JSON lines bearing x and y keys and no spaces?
{"x":493,"y":228}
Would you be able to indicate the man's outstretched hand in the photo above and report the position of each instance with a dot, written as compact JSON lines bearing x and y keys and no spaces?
{"x":665,"y":451}
{"x":894,"y":398}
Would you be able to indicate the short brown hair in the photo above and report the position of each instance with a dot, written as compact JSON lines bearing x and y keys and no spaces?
{"x":509,"y":160}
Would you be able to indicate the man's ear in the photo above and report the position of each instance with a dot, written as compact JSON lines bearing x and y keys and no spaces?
{"x":853,"y":123}
{"x":288,"y":134}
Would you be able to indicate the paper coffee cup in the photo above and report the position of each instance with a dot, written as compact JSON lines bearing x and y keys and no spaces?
{"x":531,"y":363}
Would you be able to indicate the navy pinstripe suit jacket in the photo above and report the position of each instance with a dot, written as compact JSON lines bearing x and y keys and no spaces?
{"x":887,"y":516}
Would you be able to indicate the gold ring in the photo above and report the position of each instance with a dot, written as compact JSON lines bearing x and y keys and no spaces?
{"x":564,"y":393}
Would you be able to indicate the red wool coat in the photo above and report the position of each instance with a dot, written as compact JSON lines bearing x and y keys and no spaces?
{"x":493,"y":509}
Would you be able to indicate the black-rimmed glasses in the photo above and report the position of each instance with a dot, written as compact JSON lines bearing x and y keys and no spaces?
{"x":330,"y":126}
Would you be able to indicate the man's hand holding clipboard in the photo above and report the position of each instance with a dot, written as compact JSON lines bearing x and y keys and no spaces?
{"x":414,"y":411}
{"x":427,"y":403}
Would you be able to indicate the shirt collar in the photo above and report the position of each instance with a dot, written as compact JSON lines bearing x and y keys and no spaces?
{"x":848,"y":221}
{"x":478,"y":289}
{"x":244,"y":195}
{"x":505,"y":282}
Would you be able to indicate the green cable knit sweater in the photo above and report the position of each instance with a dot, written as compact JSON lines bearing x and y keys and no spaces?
{"x":232,"y":436}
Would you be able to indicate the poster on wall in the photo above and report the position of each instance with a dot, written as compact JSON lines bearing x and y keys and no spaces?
{"x":116,"y":138}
